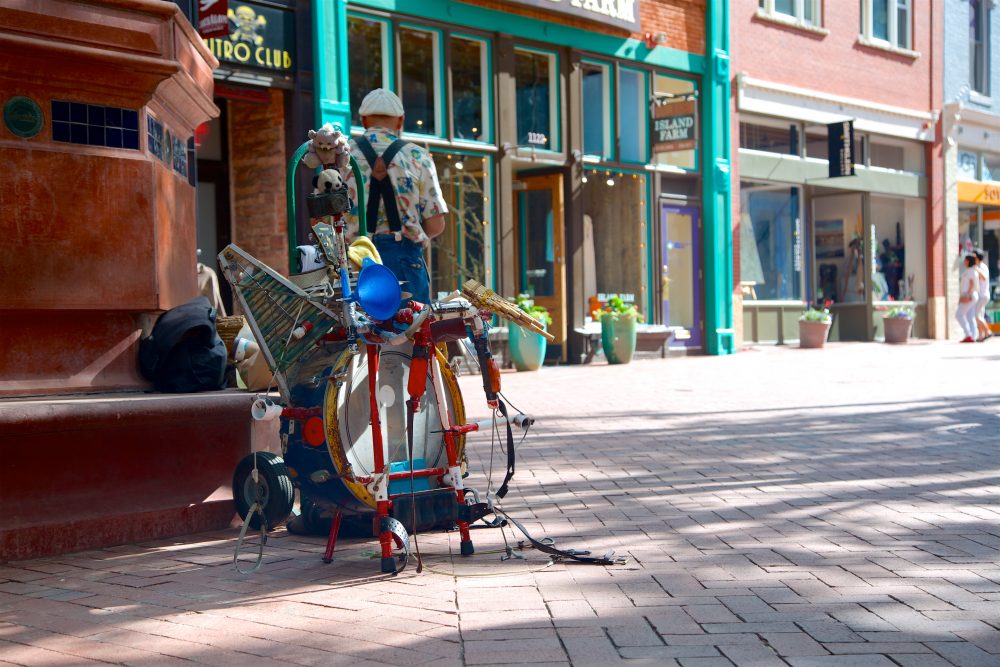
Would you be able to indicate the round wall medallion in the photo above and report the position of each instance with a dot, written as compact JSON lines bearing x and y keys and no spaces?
{"x":23,"y":117}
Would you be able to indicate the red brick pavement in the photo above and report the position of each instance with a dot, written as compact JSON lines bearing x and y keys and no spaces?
{"x":830,"y":507}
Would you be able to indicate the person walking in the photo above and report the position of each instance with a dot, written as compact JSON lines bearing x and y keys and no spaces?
{"x":968,"y":296}
{"x":984,"y":297}
{"x":404,"y":210}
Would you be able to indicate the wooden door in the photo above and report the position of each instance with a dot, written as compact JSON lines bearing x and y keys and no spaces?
{"x":540,"y":252}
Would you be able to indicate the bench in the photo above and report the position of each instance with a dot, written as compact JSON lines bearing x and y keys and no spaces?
{"x":648,"y":338}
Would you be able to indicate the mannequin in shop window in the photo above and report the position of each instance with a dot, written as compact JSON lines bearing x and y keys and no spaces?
{"x":853,"y":287}
{"x":892,"y":262}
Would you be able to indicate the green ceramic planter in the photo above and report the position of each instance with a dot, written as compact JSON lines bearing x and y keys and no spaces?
{"x":618,"y":339}
{"x":527,"y":349}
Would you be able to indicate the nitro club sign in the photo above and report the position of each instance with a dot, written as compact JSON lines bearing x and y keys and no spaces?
{"x":258,"y":37}
{"x":675,"y":126}
{"x":619,"y":13}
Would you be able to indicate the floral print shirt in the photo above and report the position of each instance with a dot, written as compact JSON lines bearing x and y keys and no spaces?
{"x":414,"y":179}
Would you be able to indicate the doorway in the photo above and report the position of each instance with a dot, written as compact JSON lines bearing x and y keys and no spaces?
{"x":213,"y":215}
{"x":680,"y":270}
{"x":540,"y":250}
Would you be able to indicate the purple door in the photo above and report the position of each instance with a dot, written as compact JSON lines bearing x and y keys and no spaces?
{"x":680,"y":271}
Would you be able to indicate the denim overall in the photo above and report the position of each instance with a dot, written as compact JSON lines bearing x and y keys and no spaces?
{"x":405,"y":259}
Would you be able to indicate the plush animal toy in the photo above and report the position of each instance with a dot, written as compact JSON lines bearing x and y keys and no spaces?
{"x":327,"y":148}
{"x":328,"y":180}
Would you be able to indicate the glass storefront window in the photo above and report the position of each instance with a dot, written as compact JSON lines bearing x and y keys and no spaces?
{"x":771,"y":242}
{"x":784,"y":139}
{"x":419,"y":79}
{"x":671,"y":89}
{"x":614,"y":208}
{"x":632,"y":115}
{"x":816,"y":143}
{"x":991,"y":167}
{"x":886,"y":156}
{"x":537,"y":103}
{"x":967,"y":166}
{"x":596,"y":111}
{"x":470,"y":89}
{"x":461,"y":251}
{"x":367,"y":58}
{"x":898,"y":236}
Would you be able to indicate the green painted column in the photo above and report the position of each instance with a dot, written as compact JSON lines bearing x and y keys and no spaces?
{"x":333,"y":101}
{"x":715,"y":147}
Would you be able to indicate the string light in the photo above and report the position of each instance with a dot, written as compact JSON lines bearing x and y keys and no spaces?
{"x":584,"y":179}
{"x":610,"y":182}
{"x":459,"y":165}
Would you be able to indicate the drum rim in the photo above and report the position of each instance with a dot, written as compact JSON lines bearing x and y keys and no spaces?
{"x":335,"y":446}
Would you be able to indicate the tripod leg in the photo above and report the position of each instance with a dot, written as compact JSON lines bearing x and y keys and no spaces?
{"x":331,"y":541}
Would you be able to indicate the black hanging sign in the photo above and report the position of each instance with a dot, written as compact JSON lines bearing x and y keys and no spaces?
{"x":675,"y":126}
{"x":840,"y":148}
{"x":259,"y":37}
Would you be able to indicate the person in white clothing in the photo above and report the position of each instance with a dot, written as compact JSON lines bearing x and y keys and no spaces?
{"x":984,"y":297}
{"x":968,"y":296}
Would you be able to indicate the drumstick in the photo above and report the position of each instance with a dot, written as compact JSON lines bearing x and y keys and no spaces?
{"x":485,"y":298}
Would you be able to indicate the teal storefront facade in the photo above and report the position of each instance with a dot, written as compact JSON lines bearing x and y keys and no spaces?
{"x":541,"y":133}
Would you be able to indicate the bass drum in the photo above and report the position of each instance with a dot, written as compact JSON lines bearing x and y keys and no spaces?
{"x":347,"y":415}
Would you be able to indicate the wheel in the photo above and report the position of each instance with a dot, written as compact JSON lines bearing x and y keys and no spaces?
{"x":272,"y":490}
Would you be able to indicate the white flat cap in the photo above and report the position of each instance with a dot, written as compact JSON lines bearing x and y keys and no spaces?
{"x":381,"y":102}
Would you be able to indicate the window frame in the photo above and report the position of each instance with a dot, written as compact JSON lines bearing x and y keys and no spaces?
{"x":644,"y":97}
{"x":801,"y":226}
{"x":892,"y":24}
{"x":695,"y":96}
{"x":983,"y":56}
{"x":489,"y":211}
{"x":486,"y":70}
{"x":767,"y":9}
{"x":388,"y":54}
{"x":610,"y":118}
{"x":441,"y":129}
{"x":555,"y":99}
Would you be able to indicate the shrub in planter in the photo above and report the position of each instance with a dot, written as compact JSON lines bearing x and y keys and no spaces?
{"x":618,"y":329}
{"x":527,"y":348}
{"x":896,"y":323}
{"x":814,"y":327}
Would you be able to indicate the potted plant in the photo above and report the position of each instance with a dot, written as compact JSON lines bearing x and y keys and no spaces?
{"x":618,"y":328}
{"x":814,"y":326}
{"x":897,"y":322}
{"x":527,"y":348}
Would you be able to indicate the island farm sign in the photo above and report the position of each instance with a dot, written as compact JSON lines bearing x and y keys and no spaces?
{"x":619,"y":13}
{"x":674,"y":126}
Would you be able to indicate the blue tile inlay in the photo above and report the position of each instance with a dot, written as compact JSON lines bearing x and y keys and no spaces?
{"x":95,"y":125}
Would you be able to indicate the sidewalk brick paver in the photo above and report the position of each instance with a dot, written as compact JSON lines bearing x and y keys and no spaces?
{"x":828,"y":508}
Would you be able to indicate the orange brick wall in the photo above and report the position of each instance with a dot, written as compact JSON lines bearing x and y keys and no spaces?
{"x":834,"y":63}
{"x":683,"y":21}
{"x":257,"y":165}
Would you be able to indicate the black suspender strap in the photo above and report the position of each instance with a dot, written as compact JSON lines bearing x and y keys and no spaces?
{"x":379,"y":184}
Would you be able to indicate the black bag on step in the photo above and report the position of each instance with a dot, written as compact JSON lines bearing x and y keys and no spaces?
{"x":184,"y":353}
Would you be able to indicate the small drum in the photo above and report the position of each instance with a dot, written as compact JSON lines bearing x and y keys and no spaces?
{"x":329,"y":451}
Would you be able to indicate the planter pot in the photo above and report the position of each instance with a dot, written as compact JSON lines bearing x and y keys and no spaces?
{"x":527,"y":349}
{"x":813,"y":334}
{"x":618,"y":339}
{"x":897,"y":329}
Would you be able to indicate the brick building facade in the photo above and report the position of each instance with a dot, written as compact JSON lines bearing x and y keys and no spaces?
{"x":545,"y":110}
{"x":859,"y":241}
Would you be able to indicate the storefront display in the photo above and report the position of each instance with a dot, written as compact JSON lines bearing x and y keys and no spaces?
{"x":546,"y":152}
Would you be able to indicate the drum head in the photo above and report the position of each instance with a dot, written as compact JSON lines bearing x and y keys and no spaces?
{"x":348,"y":417}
